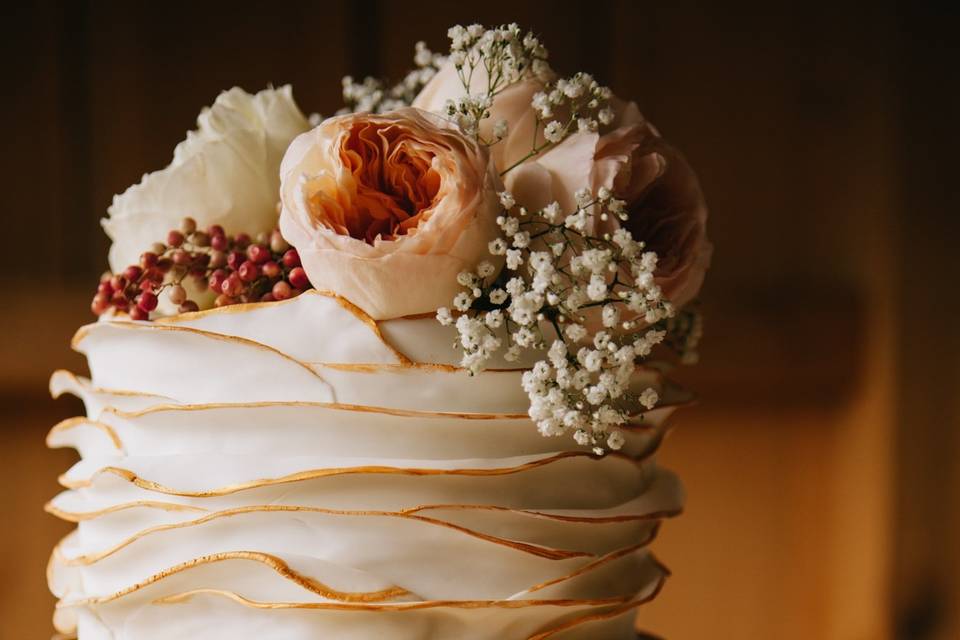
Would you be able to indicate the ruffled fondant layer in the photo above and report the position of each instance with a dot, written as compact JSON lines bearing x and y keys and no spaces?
{"x":296,"y":470}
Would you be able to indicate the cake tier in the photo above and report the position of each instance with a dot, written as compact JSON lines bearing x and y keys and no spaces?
{"x":295,"y":470}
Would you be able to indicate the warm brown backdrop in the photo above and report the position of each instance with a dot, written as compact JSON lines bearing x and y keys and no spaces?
{"x":822,"y":464}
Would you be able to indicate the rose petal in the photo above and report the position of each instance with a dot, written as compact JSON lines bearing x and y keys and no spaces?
{"x":570,"y":165}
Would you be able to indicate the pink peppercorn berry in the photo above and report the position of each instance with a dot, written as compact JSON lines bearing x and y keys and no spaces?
{"x":298,"y":278}
{"x":291,"y":259}
{"x":248,"y":271}
{"x":281,"y":291}
{"x":258,"y":254}
{"x":147,"y":301}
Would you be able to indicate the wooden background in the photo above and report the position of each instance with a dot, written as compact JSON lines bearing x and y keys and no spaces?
{"x":821,"y":465}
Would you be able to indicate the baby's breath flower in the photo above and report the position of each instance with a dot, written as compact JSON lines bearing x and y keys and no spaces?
{"x":576,"y":221}
{"x":541,"y":104}
{"x":552,"y":211}
{"x":649,"y":398}
{"x":596,"y":260}
{"x":615,"y":440}
{"x":540,"y":261}
{"x":596,"y":395}
{"x":601,"y":340}
{"x":515,"y":287}
{"x":590,"y":359}
{"x":444,"y":316}
{"x":463,"y":301}
{"x":622,"y":238}
{"x":611,"y":316}
{"x":648,"y":261}
{"x":498,"y":296}
{"x":468,"y":123}
{"x":524,"y":337}
{"x":494,"y":319}
{"x":576,"y":298}
{"x":506,"y":200}
{"x":514,"y":259}
{"x":497,"y":246}
{"x":576,"y":332}
{"x":558,"y":352}
{"x":553,"y":132}
{"x":485,"y":269}
{"x":521,"y":240}
{"x":583,"y":196}
{"x":597,"y":289}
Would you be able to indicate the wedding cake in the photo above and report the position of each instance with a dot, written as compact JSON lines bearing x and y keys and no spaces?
{"x":397,"y":373}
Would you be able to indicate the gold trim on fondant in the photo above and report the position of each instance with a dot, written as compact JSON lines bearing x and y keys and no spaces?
{"x":266,"y":559}
{"x":83,"y":331}
{"x":373,"y":367}
{"x":359,"y":313}
{"x":74,"y":516}
{"x":417,"y":316}
{"x":395,"y":606}
{"x":606,"y":615}
{"x":358,"y":367}
{"x":117,"y":441}
{"x":77,"y":516}
{"x":301,"y":476}
{"x":86,"y":385}
{"x":532,"y":549}
{"x":653,"y":515}
{"x":335,"y":406}
{"x":599,"y":562}
{"x":72,"y":423}
{"x":338,"y":406}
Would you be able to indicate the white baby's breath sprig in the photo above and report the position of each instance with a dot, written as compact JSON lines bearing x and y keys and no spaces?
{"x":506,"y":55}
{"x":373,"y":95}
{"x":586,"y":304}
{"x":578,"y":104}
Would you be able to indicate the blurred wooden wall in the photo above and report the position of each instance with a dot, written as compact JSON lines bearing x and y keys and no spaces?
{"x":822,"y":462}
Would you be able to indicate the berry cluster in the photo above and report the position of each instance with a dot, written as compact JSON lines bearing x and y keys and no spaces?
{"x":236,"y":268}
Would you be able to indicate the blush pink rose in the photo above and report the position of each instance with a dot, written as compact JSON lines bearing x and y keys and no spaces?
{"x":666,"y":205}
{"x":667,"y":209}
{"x":385,"y":210}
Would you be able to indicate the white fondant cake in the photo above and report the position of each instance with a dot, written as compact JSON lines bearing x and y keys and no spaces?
{"x":294,"y":470}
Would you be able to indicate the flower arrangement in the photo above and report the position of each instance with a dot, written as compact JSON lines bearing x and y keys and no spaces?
{"x":535,"y":212}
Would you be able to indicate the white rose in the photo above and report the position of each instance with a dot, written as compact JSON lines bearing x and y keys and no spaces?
{"x":226,"y":172}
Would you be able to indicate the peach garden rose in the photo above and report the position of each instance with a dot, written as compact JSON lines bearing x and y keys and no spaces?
{"x":387,"y":209}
